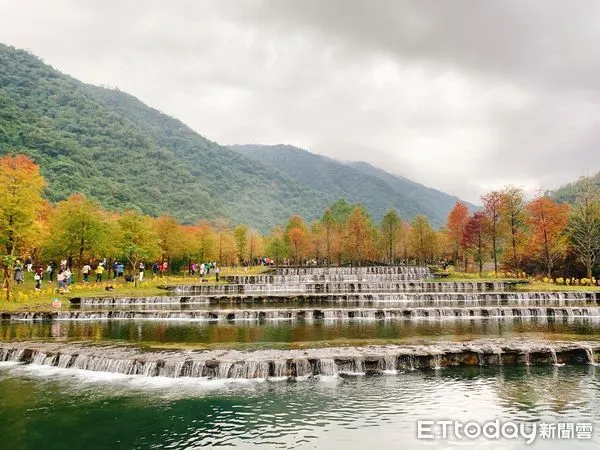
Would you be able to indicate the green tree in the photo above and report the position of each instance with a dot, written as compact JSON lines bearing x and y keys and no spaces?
{"x":390,"y":229}
{"x":240,"y":234}
{"x":340,"y":211}
{"x":584,"y":226}
{"x":276,"y":248}
{"x":137,"y":241}
{"x":78,"y":229}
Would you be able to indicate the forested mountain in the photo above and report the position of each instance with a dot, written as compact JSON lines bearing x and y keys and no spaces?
{"x":358,"y":182}
{"x":568,"y":192}
{"x":113,"y":148}
{"x":433,"y":203}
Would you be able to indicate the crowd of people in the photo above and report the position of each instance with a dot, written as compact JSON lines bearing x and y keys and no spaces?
{"x":64,"y":275}
{"x":203,"y":270}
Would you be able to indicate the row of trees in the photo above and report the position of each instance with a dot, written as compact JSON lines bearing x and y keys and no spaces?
{"x":537,"y":236}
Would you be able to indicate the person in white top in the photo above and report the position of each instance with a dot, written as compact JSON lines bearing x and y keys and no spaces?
{"x":142,"y":267}
{"x":86,"y":272}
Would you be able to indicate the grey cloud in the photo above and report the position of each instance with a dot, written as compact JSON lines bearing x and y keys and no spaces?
{"x":464,"y":96}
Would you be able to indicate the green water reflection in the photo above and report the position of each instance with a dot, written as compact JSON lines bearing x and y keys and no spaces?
{"x":283,"y":332}
{"x":44,"y":408}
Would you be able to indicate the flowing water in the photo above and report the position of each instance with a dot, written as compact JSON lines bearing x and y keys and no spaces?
{"x":302,"y":358}
{"x":286,"y":332}
{"x":47,"y":408}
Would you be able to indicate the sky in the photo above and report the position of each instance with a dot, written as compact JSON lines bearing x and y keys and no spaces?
{"x":464,"y":96}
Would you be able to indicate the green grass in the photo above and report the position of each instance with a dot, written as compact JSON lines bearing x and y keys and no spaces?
{"x":25,"y":298}
{"x":540,"y":286}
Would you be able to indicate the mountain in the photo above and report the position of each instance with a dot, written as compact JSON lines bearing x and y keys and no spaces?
{"x":433,"y":203}
{"x":568,"y":192}
{"x":358,"y":182}
{"x":114,"y":148}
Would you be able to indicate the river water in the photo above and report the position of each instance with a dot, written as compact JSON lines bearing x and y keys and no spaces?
{"x":281,"y":333}
{"x":557,"y":401}
{"x":49,"y":408}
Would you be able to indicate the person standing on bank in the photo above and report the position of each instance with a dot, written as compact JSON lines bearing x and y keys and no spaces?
{"x":86,"y":272}
{"x":38,"y":281}
{"x":19,"y":277}
{"x":217,"y":272}
{"x":142,"y":267}
{"x":99,"y":272}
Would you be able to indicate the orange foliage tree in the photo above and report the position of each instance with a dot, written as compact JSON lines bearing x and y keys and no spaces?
{"x":359,"y":233}
{"x":492,"y":203}
{"x":457,"y":220}
{"x":20,"y":205}
{"x":297,"y":238}
{"x":474,"y":237}
{"x":548,"y":221}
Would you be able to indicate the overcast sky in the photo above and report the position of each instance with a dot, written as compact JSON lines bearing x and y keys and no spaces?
{"x":463,"y":96}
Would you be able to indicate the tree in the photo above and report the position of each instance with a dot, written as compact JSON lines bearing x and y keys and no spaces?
{"x":457,"y":220}
{"x":137,"y":241}
{"x":222,"y":226}
{"x":333,"y":219}
{"x":548,"y":221}
{"x":228,"y":247}
{"x":512,"y":212}
{"x":20,"y":204}
{"x":170,"y":237}
{"x":297,"y":238}
{"x":422,"y":239}
{"x":240,"y":234}
{"x":340,"y":211}
{"x":390,"y":229}
{"x":403,"y":239}
{"x":275,"y":245}
{"x":584,"y":226}
{"x":78,"y":228}
{"x":254,"y":244}
{"x":474,"y":235}
{"x":318,"y":239}
{"x":359,"y":232}
{"x":329,"y":228}
{"x":492,"y":203}
{"x":205,"y":241}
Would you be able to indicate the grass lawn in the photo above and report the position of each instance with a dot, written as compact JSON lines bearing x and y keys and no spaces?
{"x":25,"y":298}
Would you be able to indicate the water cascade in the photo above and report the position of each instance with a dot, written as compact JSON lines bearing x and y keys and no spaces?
{"x":591,"y":355}
{"x":277,"y":364}
{"x":310,"y":314}
{"x":425,"y":299}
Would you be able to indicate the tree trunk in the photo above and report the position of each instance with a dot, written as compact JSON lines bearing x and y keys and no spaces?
{"x":81,"y":243}
{"x":495,"y":250}
{"x":328,"y":247}
{"x":7,"y":281}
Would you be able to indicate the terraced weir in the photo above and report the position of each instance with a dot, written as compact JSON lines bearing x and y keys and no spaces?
{"x":426,"y":348}
{"x":265,"y":364}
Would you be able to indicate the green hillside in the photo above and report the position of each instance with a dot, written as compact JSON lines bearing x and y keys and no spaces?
{"x":358,"y":182}
{"x":568,"y":192}
{"x":111,"y":147}
{"x":433,"y":203}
